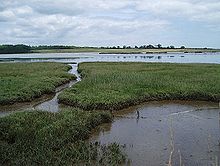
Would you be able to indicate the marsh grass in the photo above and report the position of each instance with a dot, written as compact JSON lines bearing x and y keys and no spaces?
{"x":113,"y":86}
{"x":43,"y":138}
{"x":21,"y":82}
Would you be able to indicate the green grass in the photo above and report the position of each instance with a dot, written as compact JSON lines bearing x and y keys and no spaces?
{"x":21,"y":82}
{"x":43,"y":138}
{"x":126,"y":51}
{"x":113,"y":86}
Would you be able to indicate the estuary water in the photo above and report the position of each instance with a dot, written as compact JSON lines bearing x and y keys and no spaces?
{"x":95,"y":57}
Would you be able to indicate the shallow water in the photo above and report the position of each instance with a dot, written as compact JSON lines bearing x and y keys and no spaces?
{"x":175,"y":133}
{"x":95,"y":57}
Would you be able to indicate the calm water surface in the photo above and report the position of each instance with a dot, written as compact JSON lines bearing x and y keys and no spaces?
{"x":175,"y":133}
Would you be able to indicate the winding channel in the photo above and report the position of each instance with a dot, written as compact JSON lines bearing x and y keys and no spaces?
{"x":166,"y":133}
{"x":44,"y":103}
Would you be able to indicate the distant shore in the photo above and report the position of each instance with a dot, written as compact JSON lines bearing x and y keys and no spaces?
{"x":150,"y":49}
{"x":127,"y":51}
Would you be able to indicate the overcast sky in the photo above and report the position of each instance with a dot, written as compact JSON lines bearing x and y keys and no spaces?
{"x":193,"y":23}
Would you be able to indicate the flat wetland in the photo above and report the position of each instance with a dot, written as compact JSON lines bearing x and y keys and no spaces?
{"x":113,"y":86}
{"x":173,"y":126}
{"x":21,"y":82}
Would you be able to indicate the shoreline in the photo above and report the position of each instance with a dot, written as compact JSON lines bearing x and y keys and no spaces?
{"x":122,"y":51}
{"x":126,"y":105}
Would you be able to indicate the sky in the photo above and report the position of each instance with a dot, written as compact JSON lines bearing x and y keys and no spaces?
{"x":192,"y":23}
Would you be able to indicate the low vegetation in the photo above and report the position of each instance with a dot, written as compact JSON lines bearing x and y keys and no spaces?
{"x":113,"y":86}
{"x":43,"y":138}
{"x":21,"y":82}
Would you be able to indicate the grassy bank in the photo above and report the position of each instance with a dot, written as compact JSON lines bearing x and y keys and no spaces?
{"x":113,"y":86}
{"x":124,"y":51}
{"x":43,"y":138}
{"x":21,"y":82}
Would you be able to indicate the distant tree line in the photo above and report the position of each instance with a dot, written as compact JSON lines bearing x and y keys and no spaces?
{"x":54,"y":47}
{"x":150,"y":46}
{"x":14,"y":49}
{"x":21,"y":48}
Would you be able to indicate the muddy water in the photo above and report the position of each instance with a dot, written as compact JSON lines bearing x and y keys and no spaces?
{"x":166,"y":133}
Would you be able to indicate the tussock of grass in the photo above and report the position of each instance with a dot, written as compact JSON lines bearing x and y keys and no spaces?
{"x":43,"y":138}
{"x":113,"y":86}
{"x":21,"y":82}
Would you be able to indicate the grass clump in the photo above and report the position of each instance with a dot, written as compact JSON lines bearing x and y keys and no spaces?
{"x":113,"y":86}
{"x":21,"y":82}
{"x":43,"y":138}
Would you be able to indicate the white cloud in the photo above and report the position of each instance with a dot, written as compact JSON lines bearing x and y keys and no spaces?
{"x":101,"y":21}
{"x":7,"y":15}
{"x":203,"y":10}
